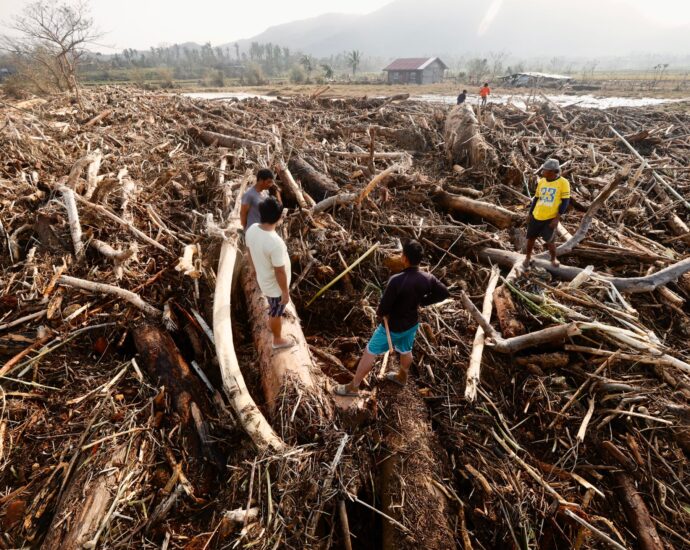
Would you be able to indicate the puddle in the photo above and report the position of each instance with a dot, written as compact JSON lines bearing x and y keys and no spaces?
{"x":519,"y":100}
{"x":219,"y":96}
{"x":587,"y":101}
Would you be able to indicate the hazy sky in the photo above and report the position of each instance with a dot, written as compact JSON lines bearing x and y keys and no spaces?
{"x":144,"y":23}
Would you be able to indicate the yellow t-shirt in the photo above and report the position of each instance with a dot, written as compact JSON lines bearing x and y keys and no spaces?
{"x":549,"y":195}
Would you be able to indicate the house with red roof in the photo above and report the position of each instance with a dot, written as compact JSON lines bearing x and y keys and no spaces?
{"x":416,"y":70}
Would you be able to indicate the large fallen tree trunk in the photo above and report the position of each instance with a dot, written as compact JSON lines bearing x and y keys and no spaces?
{"x":92,"y":496}
{"x":166,"y":366}
{"x":465,"y":144}
{"x":244,"y":406}
{"x":286,"y":373}
{"x":214,"y":138}
{"x":318,"y":185}
{"x":410,"y":492}
{"x":497,"y":215}
{"x":625,"y":284}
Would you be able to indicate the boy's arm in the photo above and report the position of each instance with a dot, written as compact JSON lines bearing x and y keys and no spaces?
{"x":387,"y":301}
{"x":281,"y":277}
{"x":244,"y":212}
{"x":437,"y":293}
{"x":278,"y":262}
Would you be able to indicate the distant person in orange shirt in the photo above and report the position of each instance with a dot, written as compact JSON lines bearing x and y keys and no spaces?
{"x":484,"y":93}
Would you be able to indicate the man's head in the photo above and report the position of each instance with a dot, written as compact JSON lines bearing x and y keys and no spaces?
{"x":264,"y":179}
{"x":270,"y":211}
{"x":464,"y":91}
{"x":551,"y":169}
{"x":486,"y":84}
{"x":412,"y":253}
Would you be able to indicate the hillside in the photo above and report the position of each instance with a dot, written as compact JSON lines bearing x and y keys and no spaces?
{"x":407,"y":28}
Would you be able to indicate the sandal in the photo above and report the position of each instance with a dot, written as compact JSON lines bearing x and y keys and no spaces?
{"x":343,"y":391}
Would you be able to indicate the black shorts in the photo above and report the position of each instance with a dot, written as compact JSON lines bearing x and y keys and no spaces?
{"x":540,"y":228}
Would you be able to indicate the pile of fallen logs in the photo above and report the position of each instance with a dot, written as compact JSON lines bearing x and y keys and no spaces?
{"x":142,"y":403}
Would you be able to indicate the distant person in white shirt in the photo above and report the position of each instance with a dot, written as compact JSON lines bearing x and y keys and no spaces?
{"x":269,"y":255}
{"x":249,"y":213}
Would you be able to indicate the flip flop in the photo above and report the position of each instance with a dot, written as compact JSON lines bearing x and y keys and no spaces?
{"x":393,"y":377}
{"x":283,"y":346}
{"x":341,"y":390}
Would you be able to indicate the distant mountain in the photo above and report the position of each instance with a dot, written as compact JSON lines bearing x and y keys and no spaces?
{"x":520,"y":27}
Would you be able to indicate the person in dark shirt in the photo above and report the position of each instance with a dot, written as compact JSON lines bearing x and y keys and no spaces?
{"x":462,"y":97}
{"x":399,"y":307}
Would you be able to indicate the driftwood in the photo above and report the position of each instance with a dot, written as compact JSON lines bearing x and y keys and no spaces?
{"x":647,"y":283}
{"x":166,"y":367}
{"x":290,"y":369}
{"x":518,"y":343}
{"x":102,"y":288}
{"x":88,"y":504}
{"x":475,"y":364}
{"x":249,"y":415}
{"x":317,"y":184}
{"x":498,"y":216}
{"x":73,"y":218}
{"x":465,"y":144}
{"x":223,"y":140}
{"x":637,"y":513}
{"x":291,"y":189}
{"x":506,"y":313}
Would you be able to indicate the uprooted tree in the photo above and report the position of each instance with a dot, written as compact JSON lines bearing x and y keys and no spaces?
{"x":47,"y":43}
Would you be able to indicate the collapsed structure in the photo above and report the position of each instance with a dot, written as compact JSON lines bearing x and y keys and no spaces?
{"x":141,"y":404}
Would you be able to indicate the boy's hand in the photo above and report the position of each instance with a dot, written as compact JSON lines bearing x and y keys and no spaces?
{"x":284,"y":299}
{"x":554,"y":223}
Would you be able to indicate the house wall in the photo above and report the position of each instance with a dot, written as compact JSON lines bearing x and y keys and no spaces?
{"x":433,"y":73}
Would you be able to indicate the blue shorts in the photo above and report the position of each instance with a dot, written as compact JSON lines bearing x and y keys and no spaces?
{"x":275,"y":308}
{"x":402,"y":341}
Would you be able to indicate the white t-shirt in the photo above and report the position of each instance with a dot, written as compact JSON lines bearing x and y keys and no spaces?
{"x":268,"y":251}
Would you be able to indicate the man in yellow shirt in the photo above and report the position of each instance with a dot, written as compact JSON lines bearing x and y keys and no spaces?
{"x":550,"y":202}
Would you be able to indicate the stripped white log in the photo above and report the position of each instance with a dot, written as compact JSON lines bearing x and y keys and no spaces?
{"x":333,"y":200}
{"x":474,"y":368}
{"x":73,"y":219}
{"x":185,"y":263}
{"x":92,"y":174}
{"x":103,"y":288}
{"x":249,"y":415}
{"x":108,"y":214}
{"x":118,"y":257}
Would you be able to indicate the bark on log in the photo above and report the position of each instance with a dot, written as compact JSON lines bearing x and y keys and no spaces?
{"x":166,"y":366}
{"x":506,"y":313}
{"x":214,"y":138}
{"x":497,"y":215}
{"x":285,"y":372}
{"x":291,"y":189}
{"x":409,"y":493}
{"x":512,"y":345}
{"x":85,"y":505}
{"x":637,"y":513}
{"x":249,"y":415}
{"x":465,"y":144}
{"x":318,"y":185}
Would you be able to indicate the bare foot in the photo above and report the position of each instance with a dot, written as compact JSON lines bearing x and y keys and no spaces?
{"x":526,"y":264}
{"x":555,"y":263}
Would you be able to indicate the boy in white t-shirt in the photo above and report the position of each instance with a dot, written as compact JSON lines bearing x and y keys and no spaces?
{"x":269,"y":256}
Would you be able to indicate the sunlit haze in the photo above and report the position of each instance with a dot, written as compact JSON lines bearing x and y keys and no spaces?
{"x":144,"y":23}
